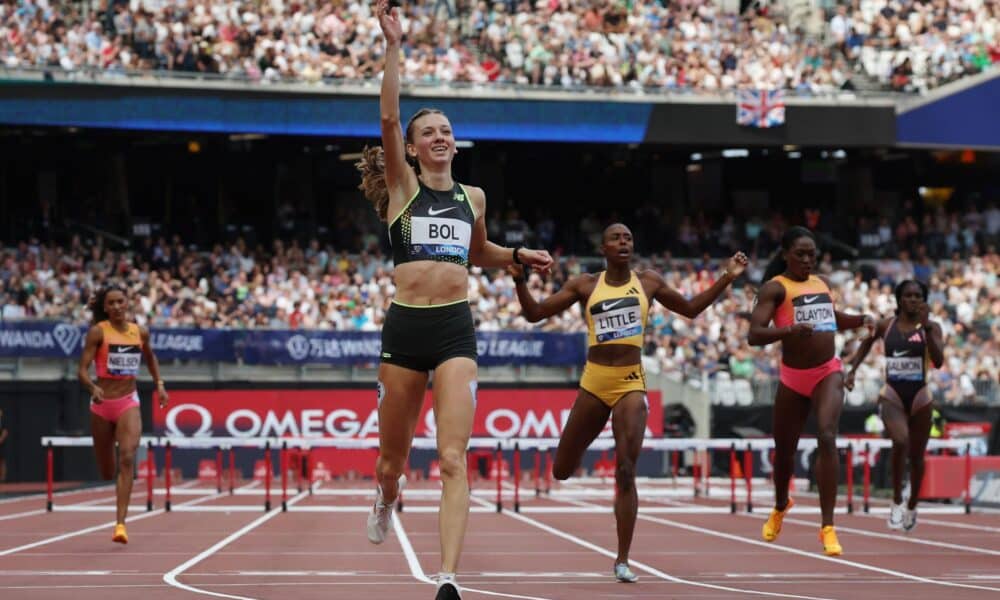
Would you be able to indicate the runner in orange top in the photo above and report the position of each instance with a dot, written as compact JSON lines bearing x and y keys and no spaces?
{"x":812,"y":378}
{"x":116,"y":346}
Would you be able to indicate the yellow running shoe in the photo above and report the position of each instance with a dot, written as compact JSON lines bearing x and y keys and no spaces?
{"x":120,"y":536}
{"x":831,"y":546}
{"x":772,"y":527}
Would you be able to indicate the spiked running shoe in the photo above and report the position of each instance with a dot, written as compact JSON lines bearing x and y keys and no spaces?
{"x":447,"y":588}
{"x":831,"y":546}
{"x":895,"y":520}
{"x":772,"y":527}
{"x":120,"y":536}
{"x":381,"y":514}
{"x":624,"y":574}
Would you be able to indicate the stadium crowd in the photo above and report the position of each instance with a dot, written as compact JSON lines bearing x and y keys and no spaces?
{"x":290,"y":285}
{"x":681,"y":44}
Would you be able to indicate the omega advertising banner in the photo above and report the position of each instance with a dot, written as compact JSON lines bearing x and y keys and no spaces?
{"x":352,"y":413}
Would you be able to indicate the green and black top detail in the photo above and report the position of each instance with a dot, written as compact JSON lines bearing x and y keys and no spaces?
{"x":434,"y":225}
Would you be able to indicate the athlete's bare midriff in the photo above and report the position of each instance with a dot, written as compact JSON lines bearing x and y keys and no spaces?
{"x":116,"y":388}
{"x":806,"y":353}
{"x":428,"y":282}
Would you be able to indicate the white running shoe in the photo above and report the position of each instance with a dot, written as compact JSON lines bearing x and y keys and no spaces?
{"x":909,"y":519}
{"x":895,"y":516}
{"x":447,"y":588}
{"x":624,"y":574}
{"x":381,"y":514}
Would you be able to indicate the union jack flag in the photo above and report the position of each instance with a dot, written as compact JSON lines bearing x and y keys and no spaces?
{"x":760,"y":108}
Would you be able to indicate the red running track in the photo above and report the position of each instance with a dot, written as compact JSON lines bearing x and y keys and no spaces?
{"x":557,"y":548}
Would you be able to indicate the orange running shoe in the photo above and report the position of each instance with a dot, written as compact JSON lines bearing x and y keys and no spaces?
{"x":831,"y":546}
{"x":772,"y":527}
{"x":120,"y":535}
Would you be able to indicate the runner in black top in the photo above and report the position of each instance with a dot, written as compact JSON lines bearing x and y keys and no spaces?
{"x":912,"y":344}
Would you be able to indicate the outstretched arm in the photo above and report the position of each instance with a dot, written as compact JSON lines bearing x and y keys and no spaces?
{"x":486,"y":254}
{"x":863,"y":350}
{"x":691,"y":308}
{"x":534,"y":311}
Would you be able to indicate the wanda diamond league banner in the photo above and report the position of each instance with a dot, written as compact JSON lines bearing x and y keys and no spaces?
{"x":352,"y":413}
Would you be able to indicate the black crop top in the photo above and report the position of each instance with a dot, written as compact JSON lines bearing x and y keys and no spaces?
{"x":434,"y":225}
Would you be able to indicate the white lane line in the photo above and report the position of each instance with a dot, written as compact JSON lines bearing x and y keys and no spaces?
{"x":44,"y":495}
{"x":76,"y":533}
{"x":813,"y":555}
{"x":894,"y":537}
{"x":644,"y":567}
{"x":922,"y":521}
{"x":171,"y":577}
{"x":53,"y":573}
{"x":29,"y":513}
{"x":87,"y":530}
{"x":418,"y":572}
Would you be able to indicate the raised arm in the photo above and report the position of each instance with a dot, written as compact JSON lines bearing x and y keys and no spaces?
{"x":486,"y":254}
{"x":691,"y":308}
{"x":862,"y":352}
{"x":534,"y":311}
{"x":154,"y":367}
{"x":95,"y":336}
{"x":934,"y":337}
{"x":399,"y":177}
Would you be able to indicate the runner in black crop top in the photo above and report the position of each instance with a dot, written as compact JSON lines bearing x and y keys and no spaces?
{"x":434,"y":225}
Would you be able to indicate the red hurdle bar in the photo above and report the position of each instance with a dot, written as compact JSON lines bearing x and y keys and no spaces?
{"x":166,"y":473}
{"x":517,"y":477}
{"x":538,"y":472}
{"x":867,"y":476}
{"x":968,"y":479}
{"x":706,"y":471}
{"x":218,"y":469}
{"x":748,"y":475}
{"x":850,"y":479}
{"x":150,"y":474}
{"x":283,"y":462}
{"x":232,"y":471}
{"x":732,"y":478}
{"x":499,"y":467}
{"x":298,"y":470}
{"x":49,"y":474}
{"x":695,"y":478}
{"x":548,"y":472}
{"x":267,"y":476}
{"x":309,"y":470}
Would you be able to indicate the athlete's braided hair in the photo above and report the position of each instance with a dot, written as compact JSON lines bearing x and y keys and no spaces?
{"x":372,"y":168}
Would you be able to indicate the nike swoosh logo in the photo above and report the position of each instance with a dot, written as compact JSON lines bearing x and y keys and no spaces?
{"x":898,"y":353}
{"x":435,"y":213}
{"x":610,"y":305}
{"x":810,"y":299}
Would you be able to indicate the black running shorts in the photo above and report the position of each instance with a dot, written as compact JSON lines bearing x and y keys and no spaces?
{"x":421,"y":338}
